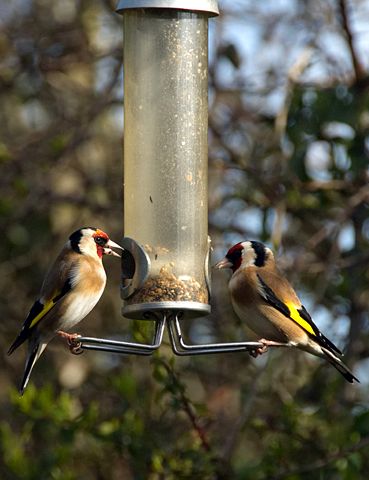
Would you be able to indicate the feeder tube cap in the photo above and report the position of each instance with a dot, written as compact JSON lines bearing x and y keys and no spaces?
{"x":207,"y":6}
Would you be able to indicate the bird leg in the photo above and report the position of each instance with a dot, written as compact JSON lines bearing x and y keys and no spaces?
{"x":74,"y":344}
{"x":266,"y":344}
{"x":272,"y":343}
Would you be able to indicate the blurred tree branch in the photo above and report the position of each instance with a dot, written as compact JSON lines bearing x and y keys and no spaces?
{"x":359,"y":72}
{"x":323,"y":463}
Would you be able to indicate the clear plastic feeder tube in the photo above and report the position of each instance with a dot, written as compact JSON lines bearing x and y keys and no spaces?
{"x":165,"y":154}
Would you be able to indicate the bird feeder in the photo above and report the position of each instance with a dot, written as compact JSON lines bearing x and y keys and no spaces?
{"x":165,"y":262}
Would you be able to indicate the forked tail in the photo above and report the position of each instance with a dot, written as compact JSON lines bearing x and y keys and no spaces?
{"x":340,"y":366}
{"x":35,"y":350}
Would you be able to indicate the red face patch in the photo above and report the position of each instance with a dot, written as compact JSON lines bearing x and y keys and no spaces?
{"x":234,"y":255}
{"x":101,"y":239}
{"x":100,"y":233}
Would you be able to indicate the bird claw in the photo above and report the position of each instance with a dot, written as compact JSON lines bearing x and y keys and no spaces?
{"x":76,"y":349}
{"x":266,"y":344}
{"x":259,"y":350}
{"x":75,"y":346}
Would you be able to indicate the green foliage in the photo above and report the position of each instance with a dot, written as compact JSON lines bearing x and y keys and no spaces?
{"x":312,"y":110}
{"x":288,"y":160}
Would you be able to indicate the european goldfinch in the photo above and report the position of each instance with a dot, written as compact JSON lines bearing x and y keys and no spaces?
{"x":71,"y":289}
{"x":268,"y":304}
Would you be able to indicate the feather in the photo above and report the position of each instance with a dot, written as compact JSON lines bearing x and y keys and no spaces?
{"x":265,"y":300}
{"x":70,"y":290}
{"x":339,"y":365}
{"x":36,"y":314}
{"x":321,"y":339}
{"x":299,"y":315}
{"x":35,"y":348}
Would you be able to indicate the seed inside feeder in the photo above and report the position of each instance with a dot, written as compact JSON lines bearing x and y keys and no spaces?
{"x":167,"y":287}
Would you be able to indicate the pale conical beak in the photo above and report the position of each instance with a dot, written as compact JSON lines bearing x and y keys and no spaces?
{"x":225,"y":263}
{"x":108,"y":249}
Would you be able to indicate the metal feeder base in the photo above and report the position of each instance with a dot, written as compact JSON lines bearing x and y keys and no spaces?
{"x":171,"y":318}
{"x":144,"y":311}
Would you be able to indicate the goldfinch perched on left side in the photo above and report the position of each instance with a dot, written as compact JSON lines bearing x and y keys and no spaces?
{"x":263,"y":298}
{"x":71,"y":289}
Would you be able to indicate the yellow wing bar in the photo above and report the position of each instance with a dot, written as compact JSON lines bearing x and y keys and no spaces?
{"x":295,"y":315}
{"x":48,"y":306}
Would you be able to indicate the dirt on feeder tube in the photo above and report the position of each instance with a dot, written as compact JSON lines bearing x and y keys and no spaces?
{"x":167,"y":287}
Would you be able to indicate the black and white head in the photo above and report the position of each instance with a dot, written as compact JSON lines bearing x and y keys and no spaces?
{"x":93,"y":242}
{"x":246,"y":254}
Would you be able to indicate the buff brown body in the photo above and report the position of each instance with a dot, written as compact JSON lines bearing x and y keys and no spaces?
{"x":266,"y":321}
{"x":264,"y":299}
{"x":70,"y":290}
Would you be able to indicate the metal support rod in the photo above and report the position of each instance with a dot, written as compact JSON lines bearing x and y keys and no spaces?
{"x":117,"y":346}
{"x":181,"y":348}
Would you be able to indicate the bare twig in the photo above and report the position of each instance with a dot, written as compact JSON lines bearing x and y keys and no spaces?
{"x":319,"y":464}
{"x":294,"y":74}
{"x":316,"y":185}
{"x":188,"y":408}
{"x":361,"y":196}
{"x":234,"y":432}
{"x":358,"y":69}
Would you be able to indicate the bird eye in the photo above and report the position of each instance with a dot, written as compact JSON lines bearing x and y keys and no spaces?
{"x":100,"y":241}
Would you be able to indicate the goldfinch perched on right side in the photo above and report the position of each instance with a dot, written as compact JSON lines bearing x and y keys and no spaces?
{"x":268,"y":304}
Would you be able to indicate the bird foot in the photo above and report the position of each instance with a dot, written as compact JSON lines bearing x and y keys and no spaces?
{"x":266,"y":344}
{"x":75,"y":346}
{"x":272,"y":343}
{"x":259,"y":350}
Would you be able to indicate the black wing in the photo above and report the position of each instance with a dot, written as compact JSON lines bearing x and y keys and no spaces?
{"x":314,"y":332}
{"x":38,"y":310}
